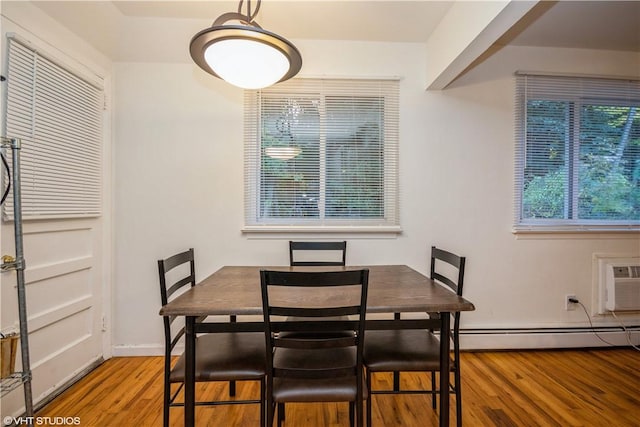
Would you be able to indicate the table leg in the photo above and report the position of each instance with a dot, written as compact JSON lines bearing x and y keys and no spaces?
{"x":396,"y":375}
{"x":445,"y":320}
{"x":190,"y":372}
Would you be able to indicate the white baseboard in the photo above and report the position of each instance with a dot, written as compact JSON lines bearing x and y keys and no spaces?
{"x":140,"y":350}
{"x":545,"y":339}
{"x":480,"y":339}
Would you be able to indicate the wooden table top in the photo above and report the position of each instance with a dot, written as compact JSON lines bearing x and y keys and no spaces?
{"x":392,"y":288}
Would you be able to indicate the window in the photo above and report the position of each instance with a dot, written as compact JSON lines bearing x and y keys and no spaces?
{"x":57,"y":114}
{"x":322,"y":155}
{"x":578,"y":153}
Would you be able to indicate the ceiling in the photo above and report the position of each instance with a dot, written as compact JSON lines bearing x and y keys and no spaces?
{"x":606,"y":25}
{"x":611,"y":25}
{"x":397,"y":21}
{"x":160,"y":31}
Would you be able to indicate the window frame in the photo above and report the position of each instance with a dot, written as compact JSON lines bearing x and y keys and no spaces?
{"x":573,"y":224}
{"x":387,"y":223}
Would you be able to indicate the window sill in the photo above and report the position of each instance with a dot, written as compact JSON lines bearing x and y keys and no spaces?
{"x":585,"y":231}
{"x":285,"y":231}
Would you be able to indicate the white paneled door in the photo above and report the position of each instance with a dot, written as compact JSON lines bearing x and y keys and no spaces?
{"x":59,"y":114}
{"x":63,"y":276}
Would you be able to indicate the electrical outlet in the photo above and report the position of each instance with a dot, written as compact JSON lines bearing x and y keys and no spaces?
{"x":568,"y":305}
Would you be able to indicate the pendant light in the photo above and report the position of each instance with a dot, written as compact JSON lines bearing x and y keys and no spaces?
{"x":244,"y":54}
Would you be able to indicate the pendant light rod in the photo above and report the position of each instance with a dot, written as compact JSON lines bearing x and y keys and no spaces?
{"x":247,"y":18}
{"x":250,"y":16}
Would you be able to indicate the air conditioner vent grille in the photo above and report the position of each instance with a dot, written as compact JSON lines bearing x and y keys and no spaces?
{"x":627,"y":271}
{"x":618,"y":282}
{"x":620,"y":272}
{"x":622,"y":292}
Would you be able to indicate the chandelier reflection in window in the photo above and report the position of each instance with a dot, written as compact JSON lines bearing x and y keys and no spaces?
{"x":286,"y":148}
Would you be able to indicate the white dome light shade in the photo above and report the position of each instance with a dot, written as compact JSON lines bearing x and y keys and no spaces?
{"x":248,"y":64}
{"x":243,"y":53}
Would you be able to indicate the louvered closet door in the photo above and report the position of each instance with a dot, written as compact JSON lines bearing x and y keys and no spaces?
{"x":58,"y":114}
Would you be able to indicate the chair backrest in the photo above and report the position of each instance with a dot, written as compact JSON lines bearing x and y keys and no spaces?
{"x":445,"y":277}
{"x":340,"y":247}
{"x":314,"y":300}
{"x":170,"y":284}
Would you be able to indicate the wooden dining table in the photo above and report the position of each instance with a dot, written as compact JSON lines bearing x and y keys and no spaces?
{"x":235,"y":291}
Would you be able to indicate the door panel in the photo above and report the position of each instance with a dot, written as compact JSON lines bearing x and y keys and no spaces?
{"x":64,"y":300}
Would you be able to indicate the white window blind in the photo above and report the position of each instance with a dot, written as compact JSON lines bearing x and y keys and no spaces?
{"x":577,"y":153}
{"x":322,"y":154}
{"x":58,"y":116}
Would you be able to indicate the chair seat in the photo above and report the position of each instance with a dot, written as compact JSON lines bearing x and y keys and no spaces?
{"x":401,"y":350}
{"x":314,"y":390}
{"x":226,"y":357}
{"x":321,"y":390}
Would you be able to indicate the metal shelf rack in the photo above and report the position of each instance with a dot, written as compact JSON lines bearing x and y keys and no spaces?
{"x":17,"y":263}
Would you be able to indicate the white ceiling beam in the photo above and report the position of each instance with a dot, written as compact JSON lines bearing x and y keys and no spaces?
{"x":465,"y":33}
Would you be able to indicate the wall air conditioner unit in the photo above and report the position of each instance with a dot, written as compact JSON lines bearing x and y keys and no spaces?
{"x":623,"y":288}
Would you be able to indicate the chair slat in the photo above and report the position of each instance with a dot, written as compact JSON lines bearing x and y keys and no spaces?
{"x":317,"y":246}
{"x":315,"y":342}
{"x":315,"y":312}
{"x":318,"y":374}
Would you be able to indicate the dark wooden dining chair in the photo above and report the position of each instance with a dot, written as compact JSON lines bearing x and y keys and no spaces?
{"x":418,"y":350}
{"x":315,"y":254}
{"x":219,"y":356}
{"x":339,"y":247}
{"x":321,"y":365}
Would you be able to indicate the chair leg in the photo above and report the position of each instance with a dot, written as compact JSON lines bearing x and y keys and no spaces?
{"x":271,"y":409}
{"x":166,"y":401}
{"x":458,"y":386}
{"x":281,"y":413}
{"x":351,"y":414}
{"x":396,"y":381}
{"x":434,"y":395}
{"x":456,"y":377}
{"x":280,"y":419}
{"x":369,"y":398}
{"x":167,"y":391}
{"x":262,"y":403}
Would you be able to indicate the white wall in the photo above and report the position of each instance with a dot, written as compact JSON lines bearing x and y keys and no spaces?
{"x":179,"y":168}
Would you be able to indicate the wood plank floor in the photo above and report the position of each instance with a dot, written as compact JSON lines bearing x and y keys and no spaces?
{"x":535,"y":388}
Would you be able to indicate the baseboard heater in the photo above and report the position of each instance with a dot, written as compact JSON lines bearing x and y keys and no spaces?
{"x":572,"y":330}
{"x":482,"y":339}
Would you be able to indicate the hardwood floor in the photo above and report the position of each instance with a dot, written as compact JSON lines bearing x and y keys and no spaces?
{"x":535,"y":388}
